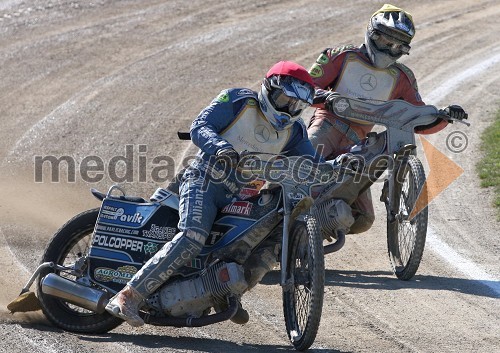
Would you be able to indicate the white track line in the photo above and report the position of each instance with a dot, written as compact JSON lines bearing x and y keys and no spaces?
{"x":462,"y":264}
{"x":465,"y":266}
{"x":451,"y":84}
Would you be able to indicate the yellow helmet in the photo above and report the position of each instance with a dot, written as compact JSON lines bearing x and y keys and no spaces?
{"x":388,"y":35}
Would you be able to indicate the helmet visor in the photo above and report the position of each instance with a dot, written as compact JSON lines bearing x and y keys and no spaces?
{"x":388,"y":44}
{"x":289,"y":95}
{"x":286,"y":104}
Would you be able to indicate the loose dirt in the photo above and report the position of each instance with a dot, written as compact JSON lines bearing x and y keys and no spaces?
{"x":83,"y":78}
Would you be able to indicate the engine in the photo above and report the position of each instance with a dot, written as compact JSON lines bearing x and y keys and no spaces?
{"x":334,"y":215}
{"x":190,"y":297}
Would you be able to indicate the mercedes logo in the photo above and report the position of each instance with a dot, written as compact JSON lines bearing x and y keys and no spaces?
{"x":368,"y":82}
{"x":261,"y":133}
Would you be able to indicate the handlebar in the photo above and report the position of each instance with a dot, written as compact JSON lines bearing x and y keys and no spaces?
{"x":396,"y":113}
{"x":277,"y":168}
{"x":449,"y":118}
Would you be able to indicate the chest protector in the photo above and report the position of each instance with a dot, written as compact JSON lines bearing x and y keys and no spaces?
{"x":360,"y":80}
{"x":250,"y":131}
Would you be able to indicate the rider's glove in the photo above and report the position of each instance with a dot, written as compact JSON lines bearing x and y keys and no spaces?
{"x":320,"y":96}
{"x":329,"y":101}
{"x":351,"y":162}
{"x":455,"y":111}
{"x":228,"y":156}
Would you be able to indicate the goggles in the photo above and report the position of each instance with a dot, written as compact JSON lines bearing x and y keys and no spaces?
{"x":388,"y":44}
{"x":286,"y":104}
{"x":290,"y":96}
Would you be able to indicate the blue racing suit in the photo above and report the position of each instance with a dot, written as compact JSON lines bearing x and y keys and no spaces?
{"x":232,"y":120}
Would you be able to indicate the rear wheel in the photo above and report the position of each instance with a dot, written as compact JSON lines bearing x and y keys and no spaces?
{"x":405,"y":235}
{"x":71,"y":243}
{"x":303,"y":294}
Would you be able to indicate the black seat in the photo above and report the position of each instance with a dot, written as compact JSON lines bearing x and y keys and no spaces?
{"x":101,"y":196}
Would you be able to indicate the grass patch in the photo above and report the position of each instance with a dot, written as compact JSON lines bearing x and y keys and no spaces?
{"x":489,"y":166}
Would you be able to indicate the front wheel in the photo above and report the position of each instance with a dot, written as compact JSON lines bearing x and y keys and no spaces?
{"x":406,"y":233}
{"x":303,"y":293}
{"x":70,"y":244}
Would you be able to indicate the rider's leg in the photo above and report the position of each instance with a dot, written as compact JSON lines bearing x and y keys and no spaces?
{"x":324,"y":137}
{"x":197,"y":209}
{"x":363,"y":212}
{"x":262,"y":260}
{"x":173,"y":255}
{"x":332,"y":136}
{"x":175,"y":183}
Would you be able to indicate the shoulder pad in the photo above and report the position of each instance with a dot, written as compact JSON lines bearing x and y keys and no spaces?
{"x":407,"y":71}
{"x":223,"y":96}
{"x":326,"y":56}
{"x":337,"y":50}
{"x":235,"y":94}
{"x":329,"y":53}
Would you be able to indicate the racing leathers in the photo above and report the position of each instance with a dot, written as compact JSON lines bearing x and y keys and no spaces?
{"x":232,"y":120}
{"x":348,"y":71}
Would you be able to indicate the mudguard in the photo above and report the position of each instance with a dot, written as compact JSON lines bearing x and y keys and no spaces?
{"x":126,"y":235}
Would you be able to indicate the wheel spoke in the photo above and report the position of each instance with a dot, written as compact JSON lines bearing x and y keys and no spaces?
{"x":406,"y":238}
{"x":406,"y":231}
{"x":303,"y":303}
{"x":69,"y":248}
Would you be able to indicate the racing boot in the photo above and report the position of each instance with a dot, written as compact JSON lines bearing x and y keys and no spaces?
{"x":241,"y":317}
{"x":173,"y":255}
{"x":125,"y":305}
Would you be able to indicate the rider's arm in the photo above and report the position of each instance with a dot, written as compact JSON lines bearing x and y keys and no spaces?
{"x":325,"y":72}
{"x":212,"y":120}
{"x":299,"y":144}
{"x":407,"y":90}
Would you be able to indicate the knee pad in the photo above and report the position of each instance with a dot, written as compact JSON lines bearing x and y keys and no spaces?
{"x":181,"y":249}
{"x":165,"y":263}
{"x":193,"y":235}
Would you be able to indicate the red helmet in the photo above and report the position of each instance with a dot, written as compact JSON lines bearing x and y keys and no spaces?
{"x":285,"y":92}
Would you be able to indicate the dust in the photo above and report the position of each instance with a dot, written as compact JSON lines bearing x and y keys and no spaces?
{"x":30,"y":214}
{"x":138,"y":72}
{"x":34,"y":317}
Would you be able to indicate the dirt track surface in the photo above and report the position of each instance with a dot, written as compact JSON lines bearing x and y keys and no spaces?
{"x":81,"y":79}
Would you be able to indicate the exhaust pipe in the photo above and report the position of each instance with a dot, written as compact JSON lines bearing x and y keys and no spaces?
{"x":74,"y":293}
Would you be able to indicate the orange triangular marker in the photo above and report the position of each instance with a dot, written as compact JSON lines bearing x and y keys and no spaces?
{"x":443,"y":171}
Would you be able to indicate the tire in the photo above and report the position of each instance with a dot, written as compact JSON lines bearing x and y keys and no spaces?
{"x":406,"y":237}
{"x":70,"y":243}
{"x":303,"y":294}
